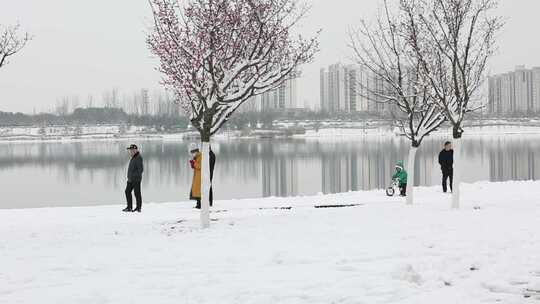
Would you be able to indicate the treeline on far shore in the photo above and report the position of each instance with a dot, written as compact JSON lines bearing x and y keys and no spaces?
{"x":90,"y":116}
{"x":175,"y":121}
{"x":108,"y":115}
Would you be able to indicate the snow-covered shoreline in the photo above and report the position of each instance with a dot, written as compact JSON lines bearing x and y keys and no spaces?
{"x":443,"y":132}
{"x":323,"y":133}
{"x":379,"y":252}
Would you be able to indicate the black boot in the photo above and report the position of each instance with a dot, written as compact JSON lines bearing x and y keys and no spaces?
{"x":136,"y":210}
{"x":127,"y":209}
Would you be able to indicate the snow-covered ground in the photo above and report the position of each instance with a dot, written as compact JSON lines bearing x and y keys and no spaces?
{"x":387,"y":131}
{"x":380,"y":252}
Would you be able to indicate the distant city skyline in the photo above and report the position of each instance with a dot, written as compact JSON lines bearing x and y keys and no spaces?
{"x":283,"y":98}
{"x":73,"y":55}
{"x":515,"y":92}
{"x":350,"y":88}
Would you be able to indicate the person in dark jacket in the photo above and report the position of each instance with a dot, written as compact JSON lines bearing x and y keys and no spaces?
{"x":195,"y":162}
{"x":134,"y":176}
{"x":446,"y":160}
{"x":212,"y":165}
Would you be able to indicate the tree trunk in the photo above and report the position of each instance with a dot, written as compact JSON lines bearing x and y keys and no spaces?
{"x":205,"y":183}
{"x":457,"y":173}
{"x":410,"y":178}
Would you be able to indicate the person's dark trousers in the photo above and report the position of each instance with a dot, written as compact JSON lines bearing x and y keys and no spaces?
{"x":211,"y":197}
{"x":136,"y":188}
{"x":403,"y":189}
{"x":198,"y":206}
{"x":447,"y":174}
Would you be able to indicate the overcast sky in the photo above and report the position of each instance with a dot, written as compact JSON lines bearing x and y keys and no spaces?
{"x":87,"y":47}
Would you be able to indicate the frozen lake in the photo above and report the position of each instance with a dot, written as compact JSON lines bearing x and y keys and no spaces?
{"x":93,"y":173}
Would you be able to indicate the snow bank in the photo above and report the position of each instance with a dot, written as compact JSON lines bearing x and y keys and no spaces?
{"x":345,"y":133}
{"x":379,"y":252}
{"x":335,"y":130}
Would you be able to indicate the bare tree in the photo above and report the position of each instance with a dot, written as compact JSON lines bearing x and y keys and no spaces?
{"x":216,"y":54}
{"x":453,"y":40}
{"x":383,"y":51}
{"x":12,"y":41}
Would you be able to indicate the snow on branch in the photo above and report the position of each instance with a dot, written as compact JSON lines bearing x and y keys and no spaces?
{"x":216,"y":54}
{"x":384,"y":53}
{"x":11,"y":42}
{"x":453,"y":41}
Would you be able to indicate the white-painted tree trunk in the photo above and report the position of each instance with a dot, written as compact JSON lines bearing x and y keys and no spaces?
{"x":410,"y":177}
{"x":457,"y":173}
{"x":205,"y":185}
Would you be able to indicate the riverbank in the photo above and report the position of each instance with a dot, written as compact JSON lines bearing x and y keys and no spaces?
{"x":262,"y":251}
{"x":109,"y":134}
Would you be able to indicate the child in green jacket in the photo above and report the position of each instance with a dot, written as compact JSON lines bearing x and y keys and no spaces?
{"x":401,"y":176}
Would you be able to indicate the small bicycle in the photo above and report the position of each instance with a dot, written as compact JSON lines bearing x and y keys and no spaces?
{"x":393,"y":188}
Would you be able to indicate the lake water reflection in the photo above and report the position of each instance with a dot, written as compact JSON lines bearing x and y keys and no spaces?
{"x":90,"y":173}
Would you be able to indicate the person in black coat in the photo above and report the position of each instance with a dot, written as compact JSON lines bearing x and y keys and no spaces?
{"x":212,"y":165}
{"x":446,"y":160}
{"x":134,"y":176}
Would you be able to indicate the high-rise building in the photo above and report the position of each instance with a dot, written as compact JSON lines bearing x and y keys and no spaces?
{"x":336,"y":87}
{"x":324,"y":91}
{"x":145,"y":99}
{"x":253,"y":104}
{"x":536,"y":89}
{"x":349,"y":88}
{"x":516,"y":92}
{"x":523,"y":85}
{"x":282,"y":98}
{"x":361,"y":88}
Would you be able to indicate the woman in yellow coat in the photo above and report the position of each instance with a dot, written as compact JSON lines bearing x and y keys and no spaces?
{"x":196,"y":162}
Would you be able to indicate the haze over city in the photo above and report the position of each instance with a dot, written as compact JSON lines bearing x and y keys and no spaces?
{"x":82,"y":48}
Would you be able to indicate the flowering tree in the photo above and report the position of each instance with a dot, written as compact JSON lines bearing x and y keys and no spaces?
{"x":11,"y":42}
{"x":383,"y":51}
{"x":216,"y":54}
{"x":453,"y":41}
